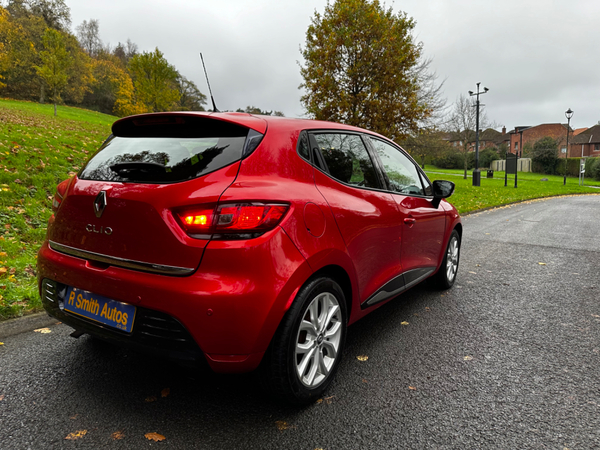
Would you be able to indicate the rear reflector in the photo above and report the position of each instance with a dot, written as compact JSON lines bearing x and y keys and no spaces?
{"x":228,"y":220}
{"x":61,"y":190}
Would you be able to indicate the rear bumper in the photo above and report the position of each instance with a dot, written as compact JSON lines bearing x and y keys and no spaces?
{"x":225,"y":313}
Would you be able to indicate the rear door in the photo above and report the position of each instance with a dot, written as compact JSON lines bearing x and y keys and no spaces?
{"x":366,"y":215}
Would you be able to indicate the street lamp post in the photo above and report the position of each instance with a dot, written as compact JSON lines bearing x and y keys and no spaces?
{"x":476,"y":173}
{"x":568,"y":115}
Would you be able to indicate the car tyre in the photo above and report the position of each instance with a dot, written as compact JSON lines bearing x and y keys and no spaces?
{"x":307,"y":348}
{"x":446,"y":275}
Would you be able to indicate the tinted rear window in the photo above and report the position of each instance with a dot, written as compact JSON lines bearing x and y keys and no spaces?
{"x":166,"y":153}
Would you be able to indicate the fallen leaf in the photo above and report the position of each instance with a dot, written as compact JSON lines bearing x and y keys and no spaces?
{"x":76,"y":435}
{"x":327,"y":400}
{"x":3,"y":254}
{"x":150,"y":399}
{"x":542,"y":264}
{"x":474,"y":273}
{"x":404,"y":323}
{"x":427,"y":308}
{"x":154,"y":437}
{"x":1,"y":343}
{"x":593,"y":315}
{"x":165,"y":392}
{"x":1,"y":397}
{"x":117,"y":435}
{"x":281,"y":425}
{"x":73,"y":417}
{"x":43,"y":330}
{"x":412,"y":388}
{"x":468,"y":358}
{"x":363,"y":380}
{"x":362,"y":357}
{"x":3,"y":270}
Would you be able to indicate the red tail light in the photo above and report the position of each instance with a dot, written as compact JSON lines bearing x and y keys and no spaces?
{"x":61,"y":190}
{"x":230,"y":221}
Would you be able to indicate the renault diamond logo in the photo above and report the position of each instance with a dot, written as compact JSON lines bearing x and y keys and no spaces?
{"x":100,"y":203}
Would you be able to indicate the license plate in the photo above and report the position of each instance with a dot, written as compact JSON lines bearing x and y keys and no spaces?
{"x":100,"y":309}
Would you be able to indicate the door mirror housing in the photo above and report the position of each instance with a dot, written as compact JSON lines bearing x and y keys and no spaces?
{"x":442,"y":189}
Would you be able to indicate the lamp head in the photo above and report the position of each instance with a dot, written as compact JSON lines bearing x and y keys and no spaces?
{"x":485,"y":89}
{"x":470,"y":92}
{"x":568,"y":114}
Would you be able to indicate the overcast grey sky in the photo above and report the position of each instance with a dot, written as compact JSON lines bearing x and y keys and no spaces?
{"x":537,"y":57}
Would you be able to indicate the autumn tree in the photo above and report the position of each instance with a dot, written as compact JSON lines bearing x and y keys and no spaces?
{"x":190,"y":97}
{"x":10,"y":34}
{"x":255,"y":110}
{"x":426,"y":142}
{"x":56,"y":62}
{"x":126,"y":51}
{"x":462,"y":122}
{"x":88,"y":34}
{"x":154,"y":81}
{"x":361,"y":68}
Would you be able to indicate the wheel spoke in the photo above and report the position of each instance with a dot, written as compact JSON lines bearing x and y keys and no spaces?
{"x":333,"y":330}
{"x":333,"y":309}
{"x":314,"y":367}
{"x":305,"y":360}
{"x":323,"y":367}
{"x":309,"y":327}
{"x":313,"y":310}
{"x":331,"y":349}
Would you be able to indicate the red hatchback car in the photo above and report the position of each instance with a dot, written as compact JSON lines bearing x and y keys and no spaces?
{"x":243,"y":241}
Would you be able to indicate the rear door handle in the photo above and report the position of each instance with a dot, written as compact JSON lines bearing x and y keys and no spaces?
{"x":410,"y":221}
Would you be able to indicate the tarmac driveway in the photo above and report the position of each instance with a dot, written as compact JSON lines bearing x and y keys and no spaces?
{"x":506,"y":359}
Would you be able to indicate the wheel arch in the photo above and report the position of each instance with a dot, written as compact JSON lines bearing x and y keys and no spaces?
{"x":341,"y":277}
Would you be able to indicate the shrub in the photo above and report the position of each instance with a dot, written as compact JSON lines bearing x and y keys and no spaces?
{"x":486,"y":157}
{"x":450,"y":160}
{"x":545,"y":157}
{"x":594,"y":168}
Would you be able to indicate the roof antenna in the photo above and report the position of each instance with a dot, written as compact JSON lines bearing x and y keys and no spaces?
{"x":208,"y":82}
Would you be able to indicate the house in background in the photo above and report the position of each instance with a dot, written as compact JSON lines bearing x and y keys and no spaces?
{"x":523,"y":135}
{"x":585,"y":143}
{"x":488,"y":138}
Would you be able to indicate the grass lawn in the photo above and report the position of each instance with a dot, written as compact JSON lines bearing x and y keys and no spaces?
{"x":37,"y":151}
{"x":492,"y":191}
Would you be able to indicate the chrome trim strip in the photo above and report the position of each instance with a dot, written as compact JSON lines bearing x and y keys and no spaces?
{"x":121,"y":262}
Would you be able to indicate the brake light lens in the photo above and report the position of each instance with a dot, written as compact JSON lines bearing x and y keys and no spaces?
{"x":59,"y":195}
{"x":232,"y":221}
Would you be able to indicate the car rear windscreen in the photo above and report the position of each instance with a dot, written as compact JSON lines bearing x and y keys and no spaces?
{"x":160,"y":154}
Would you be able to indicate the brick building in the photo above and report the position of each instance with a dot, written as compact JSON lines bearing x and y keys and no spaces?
{"x":586,"y":143}
{"x":488,"y":138}
{"x":521,"y":136}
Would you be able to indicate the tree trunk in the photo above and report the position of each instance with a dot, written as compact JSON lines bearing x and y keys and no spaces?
{"x":466,"y":154}
{"x":55,"y":115}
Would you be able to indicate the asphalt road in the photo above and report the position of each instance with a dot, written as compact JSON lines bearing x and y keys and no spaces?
{"x":507,"y":359}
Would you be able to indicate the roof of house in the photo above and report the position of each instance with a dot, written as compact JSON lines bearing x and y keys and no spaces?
{"x":589,"y":136}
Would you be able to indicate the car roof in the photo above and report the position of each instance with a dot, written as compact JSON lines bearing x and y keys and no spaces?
{"x":257,"y":122}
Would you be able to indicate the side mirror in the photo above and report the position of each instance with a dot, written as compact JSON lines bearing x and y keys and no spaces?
{"x":441,"y":189}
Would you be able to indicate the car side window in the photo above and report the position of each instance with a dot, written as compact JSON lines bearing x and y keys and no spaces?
{"x":427,"y":186}
{"x":401,"y":173}
{"x":303,"y":147}
{"x":347,"y":159}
